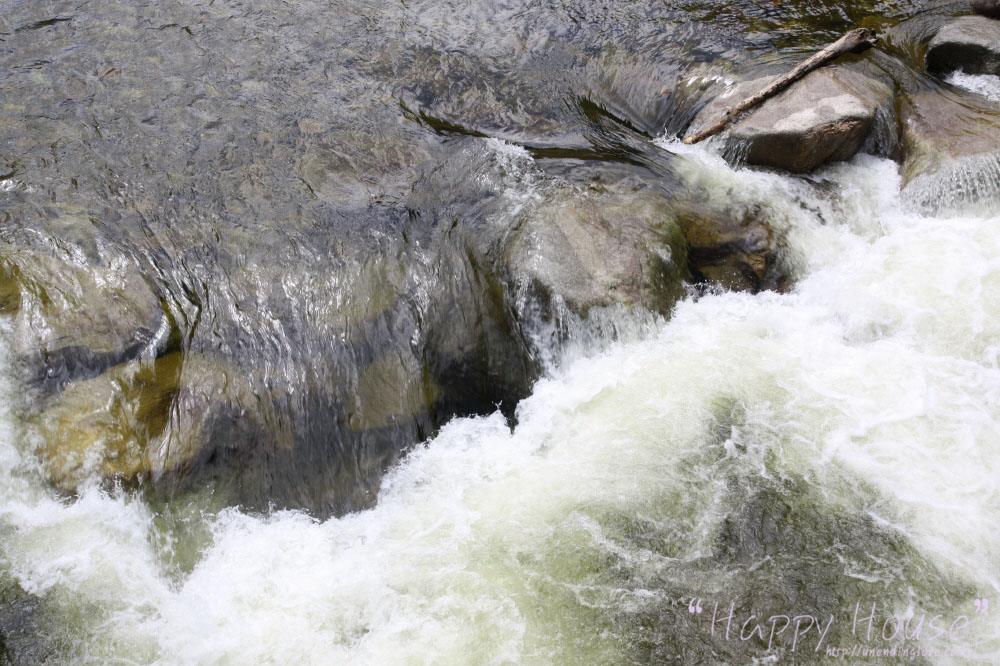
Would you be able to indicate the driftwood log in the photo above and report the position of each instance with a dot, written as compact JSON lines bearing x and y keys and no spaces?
{"x":855,"y":41}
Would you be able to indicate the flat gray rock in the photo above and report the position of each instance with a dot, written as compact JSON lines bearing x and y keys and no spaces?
{"x":823,"y":118}
{"x":968,"y":43}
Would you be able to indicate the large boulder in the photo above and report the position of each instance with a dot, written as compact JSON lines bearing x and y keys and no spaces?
{"x":823,"y":118}
{"x":952,"y":150}
{"x":967,"y":43}
{"x":600,"y":246}
{"x":398,"y":365}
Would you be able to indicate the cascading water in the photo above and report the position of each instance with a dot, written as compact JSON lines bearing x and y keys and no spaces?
{"x":986,"y":85}
{"x":849,"y":427}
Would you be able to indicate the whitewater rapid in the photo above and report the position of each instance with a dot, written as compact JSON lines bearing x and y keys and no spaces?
{"x":870,"y":392}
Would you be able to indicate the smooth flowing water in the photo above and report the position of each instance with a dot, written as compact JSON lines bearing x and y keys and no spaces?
{"x":273,"y":215}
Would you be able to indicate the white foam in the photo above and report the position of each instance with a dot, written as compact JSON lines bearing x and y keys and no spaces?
{"x":986,"y":85}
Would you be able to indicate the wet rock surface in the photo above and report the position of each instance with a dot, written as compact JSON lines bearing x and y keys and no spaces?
{"x":783,"y":529}
{"x":259,"y":251}
{"x":79,"y":306}
{"x":268,"y":249}
{"x":598,"y":247}
{"x":823,"y":118}
{"x":952,"y":149}
{"x":733,"y":248}
{"x":967,"y":43}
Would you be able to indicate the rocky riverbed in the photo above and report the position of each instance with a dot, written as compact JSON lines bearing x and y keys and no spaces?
{"x":255,"y":254}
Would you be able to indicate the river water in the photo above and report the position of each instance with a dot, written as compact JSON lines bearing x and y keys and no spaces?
{"x":806,"y":454}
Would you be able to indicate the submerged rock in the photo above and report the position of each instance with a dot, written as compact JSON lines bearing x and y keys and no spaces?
{"x":579,"y":234}
{"x":78,"y":307}
{"x":968,"y":43}
{"x":823,"y":118}
{"x":23,"y":639}
{"x":952,"y":150}
{"x":422,"y":332}
{"x":475,"y":95}
{"x":317,"y":437}
{"x":144,"y":419}
{"x":288,"y":297}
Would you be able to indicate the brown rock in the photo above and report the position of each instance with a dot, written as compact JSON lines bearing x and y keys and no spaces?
{"x":734,"y":248}
{"x":823,"y":118}
{"x":952,"y":149}
{"x":140,"y":419}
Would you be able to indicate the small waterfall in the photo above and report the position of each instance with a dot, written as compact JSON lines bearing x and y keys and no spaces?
{"x":986,"y":85}
{"x":969,"y":184}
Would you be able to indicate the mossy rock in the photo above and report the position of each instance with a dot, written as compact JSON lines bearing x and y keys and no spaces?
{"x":142,"y":419}
{"x":389,"y":389}
{"x":10,"y":287}
{"x":597,"y":247}
{"x":78,"y":307}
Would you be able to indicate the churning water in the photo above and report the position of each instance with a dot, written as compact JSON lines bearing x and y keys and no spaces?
{"x":986,"y":85}
{"x":848,"y":429}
